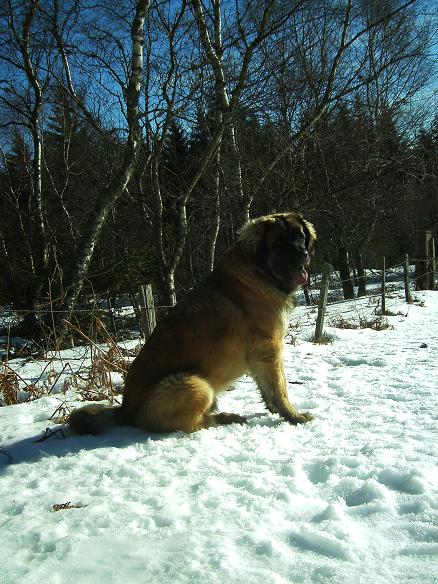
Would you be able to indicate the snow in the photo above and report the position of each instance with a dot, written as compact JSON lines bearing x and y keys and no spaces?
{"x":350,"y":497}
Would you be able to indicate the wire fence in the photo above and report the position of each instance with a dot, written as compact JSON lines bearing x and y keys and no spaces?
{"x":46,"y":308}
{"x":388,"y":281}
{"x":128,"y":321}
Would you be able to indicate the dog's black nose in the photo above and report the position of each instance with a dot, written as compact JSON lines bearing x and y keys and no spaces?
{"x":304,"y":255}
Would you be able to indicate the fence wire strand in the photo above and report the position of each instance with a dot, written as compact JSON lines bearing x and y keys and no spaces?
{"x":357,"y":307}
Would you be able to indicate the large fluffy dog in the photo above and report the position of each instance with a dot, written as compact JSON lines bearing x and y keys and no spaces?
{"x":232,"y":323}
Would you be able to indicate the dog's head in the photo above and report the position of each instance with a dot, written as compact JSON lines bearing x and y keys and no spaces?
{"x":280,"y":246}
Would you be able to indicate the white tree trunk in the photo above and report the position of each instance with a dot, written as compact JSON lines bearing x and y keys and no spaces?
{"x":119,"y":183}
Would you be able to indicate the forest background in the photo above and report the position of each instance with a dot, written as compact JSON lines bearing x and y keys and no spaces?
{"x":138,"y":136}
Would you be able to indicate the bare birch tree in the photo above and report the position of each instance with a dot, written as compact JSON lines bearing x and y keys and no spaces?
{"x":116,"y":186}
{"x":22,"y":102}
{"x":227,"y":101}
{"x":227,"y":96}
{"x":122,"y":176}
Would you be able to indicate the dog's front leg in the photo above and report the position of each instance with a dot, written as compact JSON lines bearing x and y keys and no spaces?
{"x":268,"y":372}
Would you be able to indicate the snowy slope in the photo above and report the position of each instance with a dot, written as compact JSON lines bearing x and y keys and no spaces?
{"x":348,"y":498}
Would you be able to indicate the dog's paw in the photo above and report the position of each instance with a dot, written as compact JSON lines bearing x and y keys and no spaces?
{"x":307,"y":417}
{"x":227,"y":418}
{"x":301,"y":418}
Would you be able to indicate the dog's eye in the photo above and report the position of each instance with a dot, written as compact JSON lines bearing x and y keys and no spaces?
{"x":300,"y":237}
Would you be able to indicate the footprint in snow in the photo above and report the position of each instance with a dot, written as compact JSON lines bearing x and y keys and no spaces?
{"x":403,"y":481}
{"x":320,"y":542}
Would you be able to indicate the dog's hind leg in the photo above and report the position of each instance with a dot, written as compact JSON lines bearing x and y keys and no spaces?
{"x":181,"y":402}
{"x":223,"y":418}
{"x":214,"y":418}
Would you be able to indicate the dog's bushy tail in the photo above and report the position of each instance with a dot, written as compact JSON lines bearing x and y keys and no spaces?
{"x":95,"y":419}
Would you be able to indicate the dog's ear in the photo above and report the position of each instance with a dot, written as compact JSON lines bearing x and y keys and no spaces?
{"x":310,"y":234}
{"x":252,"y":233}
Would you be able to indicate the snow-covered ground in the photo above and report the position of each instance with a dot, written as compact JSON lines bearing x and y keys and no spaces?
{"x":348,"y":498}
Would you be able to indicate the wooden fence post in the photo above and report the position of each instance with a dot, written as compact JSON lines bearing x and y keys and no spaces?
{"x":307,"y":294}
{"x":407,"y":280}
{"x":322,"y":305}
{"x":432,"y":264}
{"x":147,"y":310}
{"x":135,"y":305}
{"x":384,"y":285}
{"x":422,"y":266}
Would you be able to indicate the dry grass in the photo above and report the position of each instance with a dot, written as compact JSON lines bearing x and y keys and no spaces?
{"x":342,"y":323}
{"x":9,"y":386}
{"x":96,"y":384}
{"x":380,"y":323}
{"x":326,"y":339}
{"x":11,"y":383}
{"x":61,"y":414}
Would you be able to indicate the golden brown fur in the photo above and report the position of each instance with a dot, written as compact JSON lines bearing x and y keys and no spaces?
{"x":232,"y":323}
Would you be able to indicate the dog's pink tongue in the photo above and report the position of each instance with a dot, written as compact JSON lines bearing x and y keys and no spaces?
{"x":300,"y":277}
